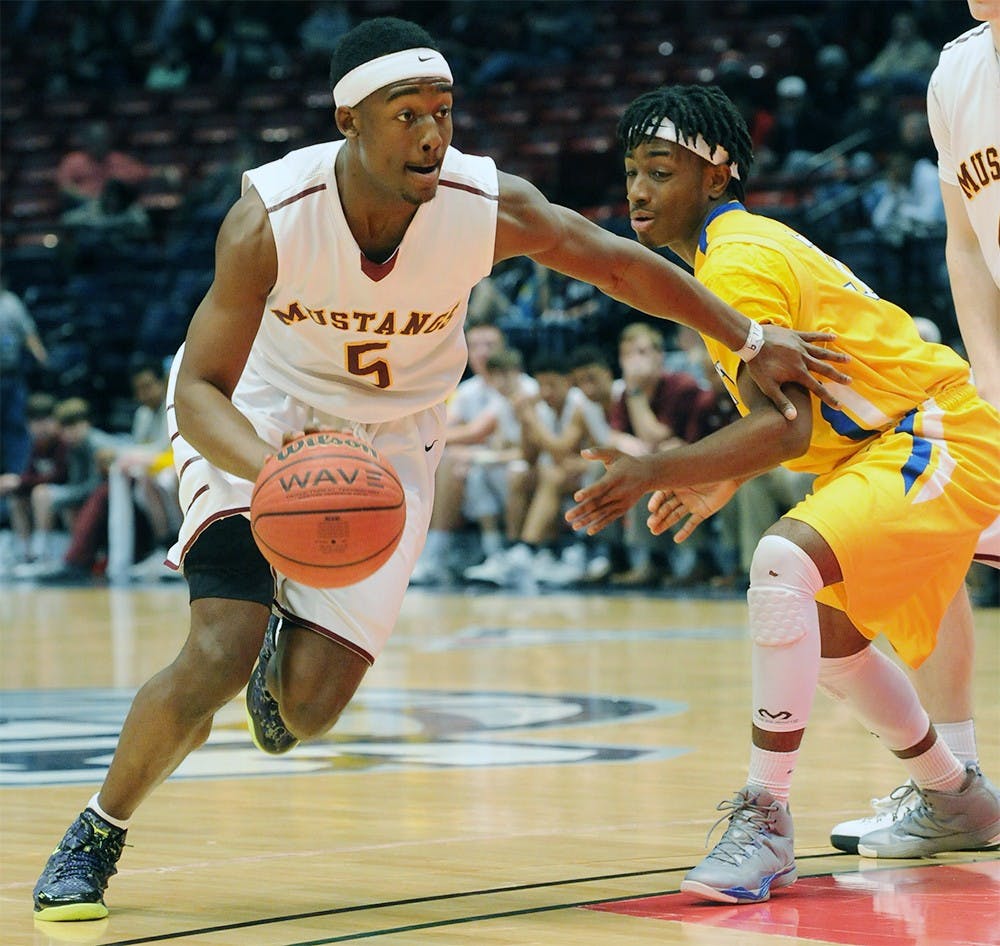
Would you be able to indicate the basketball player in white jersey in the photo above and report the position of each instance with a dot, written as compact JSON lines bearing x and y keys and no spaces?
{"x":341,"y":284}
{"x":963,"y":108}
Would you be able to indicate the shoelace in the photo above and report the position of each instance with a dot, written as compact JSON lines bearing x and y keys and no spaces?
{"x":746,"y":821}
{"x":86,"y":854}
{"x":896,"y":801}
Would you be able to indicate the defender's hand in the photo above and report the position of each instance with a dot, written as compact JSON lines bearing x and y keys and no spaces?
{"x":626,"y":480}
{"x":789,"y":357}
{"x":697,"y":503}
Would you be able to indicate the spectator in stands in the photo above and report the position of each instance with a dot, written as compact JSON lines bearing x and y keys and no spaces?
{"x":473,"y":415}
{"x":593,"y":375}
{"x":218,"y":186}
{"x":146,"y":469}
{"x":833,"y":86}
{"x":799,"y":130}
{"x":556,"y":424}
{"x":867,"y":117}
{"x":734,"y":77}
{"x":141,"y":470}
{"x":18,"y":338}
{"x":88,"y":454}
{"x":492,"y":465}
{"x":321,"y":30}
{"x":83,"y":173}
{"x":169,"y":71}
{"x":905,"y":201}
{"x":111,"y":223}
{"x":905,"y":63}
{"x":251,"y":49}
{"x":46,"y":464}
{"x":657,"y":407}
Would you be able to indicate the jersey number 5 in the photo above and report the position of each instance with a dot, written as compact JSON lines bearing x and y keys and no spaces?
{"x":354,"y":354}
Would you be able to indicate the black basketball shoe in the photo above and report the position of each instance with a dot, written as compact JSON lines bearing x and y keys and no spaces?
{"x":267,"y":728}
{"x":76,"y":875}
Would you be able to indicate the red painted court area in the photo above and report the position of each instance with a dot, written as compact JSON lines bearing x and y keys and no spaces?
{"x":940,"y":905}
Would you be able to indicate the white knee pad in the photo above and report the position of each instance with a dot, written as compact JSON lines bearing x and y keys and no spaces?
{"x":784,"y":582}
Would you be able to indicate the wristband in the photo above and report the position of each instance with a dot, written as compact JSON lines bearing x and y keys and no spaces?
{"x":753,"y":344}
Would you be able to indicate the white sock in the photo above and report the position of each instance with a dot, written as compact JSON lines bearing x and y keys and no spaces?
{"x":936,"y":769}
{"x":961,"y":739}
{"x":492,"y":542}
{"x":772,"y":771}
{"x":94,"y":805}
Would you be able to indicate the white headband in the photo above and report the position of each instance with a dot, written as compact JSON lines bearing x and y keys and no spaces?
{"x":668,"y":131}
{"x":362,"y":80}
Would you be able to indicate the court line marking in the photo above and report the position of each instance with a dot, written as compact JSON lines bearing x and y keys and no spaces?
{"x":438,"y":898}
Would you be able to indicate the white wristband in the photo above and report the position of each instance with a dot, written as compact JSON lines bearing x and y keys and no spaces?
{"x":754,"y":342}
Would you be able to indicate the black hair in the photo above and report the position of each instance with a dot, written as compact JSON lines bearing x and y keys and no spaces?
{"x":548,"y":362}
{"x":696,"y":110}
{"x":586,"y":355}
{"x":374,"y":38}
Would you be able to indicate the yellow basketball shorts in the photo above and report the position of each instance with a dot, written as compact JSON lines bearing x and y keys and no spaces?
{"x":903,"y":517}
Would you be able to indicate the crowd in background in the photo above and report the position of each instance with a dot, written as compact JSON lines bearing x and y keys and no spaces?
{"x":111,"y":203}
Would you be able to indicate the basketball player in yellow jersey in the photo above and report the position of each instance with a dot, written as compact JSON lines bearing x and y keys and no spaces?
{"x":908,"y":476}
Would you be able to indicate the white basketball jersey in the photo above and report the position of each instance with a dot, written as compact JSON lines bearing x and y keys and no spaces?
{"x":963,"y":108}
{"x":358,"y":340}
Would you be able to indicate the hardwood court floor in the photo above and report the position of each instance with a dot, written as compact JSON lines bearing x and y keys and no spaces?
{"x":508,"y":762}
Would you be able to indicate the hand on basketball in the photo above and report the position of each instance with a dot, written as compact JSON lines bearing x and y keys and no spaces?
{"x":625,"y":481}
{"x":298,"y":434}
{"x":789,"y":357}
{"x":669,"y":507}
{"x":328,"y":510}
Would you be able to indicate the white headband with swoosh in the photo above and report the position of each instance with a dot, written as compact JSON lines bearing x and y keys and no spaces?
{"x":667,"y":130}
{"x":362,"y":80}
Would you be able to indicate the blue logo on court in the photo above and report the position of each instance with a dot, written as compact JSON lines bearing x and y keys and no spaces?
{"x":68,"y":736}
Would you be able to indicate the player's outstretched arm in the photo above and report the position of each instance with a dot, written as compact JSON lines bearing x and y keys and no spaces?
{"x":757,"y":442}
{"x":219,"y":339}
{"x":529,"y":225}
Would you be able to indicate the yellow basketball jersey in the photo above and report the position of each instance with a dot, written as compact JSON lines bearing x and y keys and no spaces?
{"x":908,"y":468}
{"x":773,"y":274}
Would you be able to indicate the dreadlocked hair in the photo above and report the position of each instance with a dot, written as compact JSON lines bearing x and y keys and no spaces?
{"x":373,"y":39}
{"x":696,"y":110}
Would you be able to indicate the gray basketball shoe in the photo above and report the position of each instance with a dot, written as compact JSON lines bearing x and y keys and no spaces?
{"x":755,"y":855}
{"x":967,"y":820}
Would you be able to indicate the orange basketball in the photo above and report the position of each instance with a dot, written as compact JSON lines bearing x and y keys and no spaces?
{"x":327,"y":510}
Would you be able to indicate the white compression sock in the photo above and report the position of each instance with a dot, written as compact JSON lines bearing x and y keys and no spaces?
{"x":94,"y":805}
{"x":882,"y":698}
{"x":784,"y":625}
{"x":961,"y":739}
{"x":878,"y":693}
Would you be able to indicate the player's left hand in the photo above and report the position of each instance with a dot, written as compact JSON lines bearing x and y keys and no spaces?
{"x":789,"y":357}
{"x":689,"y":505}
{"x":625,"y":481}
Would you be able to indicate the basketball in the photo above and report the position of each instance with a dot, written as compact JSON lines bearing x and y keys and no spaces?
{"x":327,"y":510}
